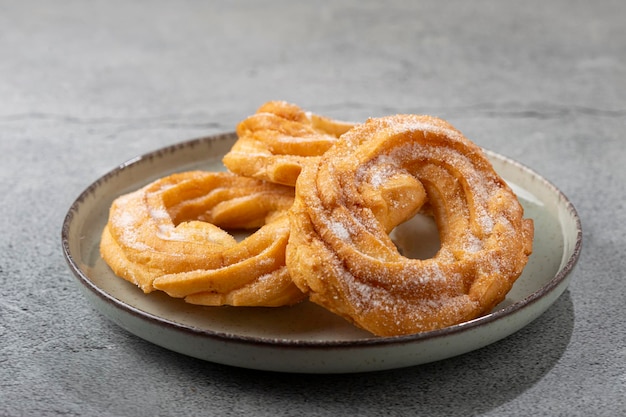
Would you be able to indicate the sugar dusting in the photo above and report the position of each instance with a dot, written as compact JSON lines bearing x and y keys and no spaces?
{"x":126,"y":221}
{"x":339,"y":230}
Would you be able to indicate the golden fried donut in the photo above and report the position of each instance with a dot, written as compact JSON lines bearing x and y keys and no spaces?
{"x":278,"y":139}
{"x":168,"y":236}
{"x":339,"y":250}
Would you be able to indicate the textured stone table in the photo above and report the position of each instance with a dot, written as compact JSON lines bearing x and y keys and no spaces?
{"x":85,"y":86}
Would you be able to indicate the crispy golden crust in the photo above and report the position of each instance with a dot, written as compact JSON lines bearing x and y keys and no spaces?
{"x":168,"y":236}
{"x":275,"y":142}
{"x":339,"y":250}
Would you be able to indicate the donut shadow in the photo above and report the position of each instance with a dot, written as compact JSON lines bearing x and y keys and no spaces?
{"x":468,"y":384}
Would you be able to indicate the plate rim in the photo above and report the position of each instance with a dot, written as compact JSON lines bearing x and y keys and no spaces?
{"x":372,"y":341}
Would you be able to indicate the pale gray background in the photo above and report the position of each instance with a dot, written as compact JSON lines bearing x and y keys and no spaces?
{"x":86,"y":85}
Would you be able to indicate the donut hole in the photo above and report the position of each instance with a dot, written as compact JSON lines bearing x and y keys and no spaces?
{"x":417,"y":238}
{"x":241,"y":234}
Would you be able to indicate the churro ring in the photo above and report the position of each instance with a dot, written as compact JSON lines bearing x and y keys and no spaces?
{"x":168,"y":236}
{"x":278,"y":139}
{"x":339,"y":249}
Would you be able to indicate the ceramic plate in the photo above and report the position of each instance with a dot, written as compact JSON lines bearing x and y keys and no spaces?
{"x":306,"y":338}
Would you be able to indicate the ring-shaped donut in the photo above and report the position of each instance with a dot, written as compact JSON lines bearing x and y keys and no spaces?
{"x":278,"y":139}
{"x":339,"y":249}
{"x":169,"y":235}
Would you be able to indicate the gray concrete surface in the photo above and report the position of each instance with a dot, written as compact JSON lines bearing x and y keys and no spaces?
{"x":87,"y":85}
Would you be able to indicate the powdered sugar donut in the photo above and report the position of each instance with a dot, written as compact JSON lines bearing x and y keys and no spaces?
{"x":379,"y":174}
{"x":170,"y":235}
{"x":274,"y":143}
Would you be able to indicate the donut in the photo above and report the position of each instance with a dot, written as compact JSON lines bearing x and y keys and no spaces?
{"x":375,"y":177}
{"x":171,"y":235}
{"x":278,"y":139}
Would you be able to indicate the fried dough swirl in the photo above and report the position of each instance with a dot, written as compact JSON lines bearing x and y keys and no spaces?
{"x":278,"y":139}
{"x":378,"y":175}
{"x":168,"y":236}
